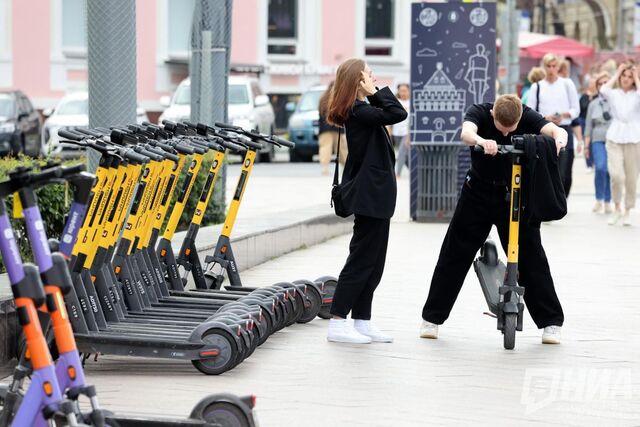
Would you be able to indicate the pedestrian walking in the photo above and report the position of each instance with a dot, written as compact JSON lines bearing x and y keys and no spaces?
{"x":597,"y":121}
{"x":556,"y":98}
{"x":535,"y":75}
{"x":623,"y":139}
{"x":369,"y":174}
{"x":328,"y":135}
{"x":400,"y":131}
{"x":577,"y":124}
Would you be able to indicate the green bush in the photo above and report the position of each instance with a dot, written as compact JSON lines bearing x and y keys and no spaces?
{"x":53,"y":200}
{"x":215,"y":212}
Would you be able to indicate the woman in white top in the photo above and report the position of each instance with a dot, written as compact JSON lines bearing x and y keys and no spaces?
{"x":623,"y":139}
{"x":556,"y":98}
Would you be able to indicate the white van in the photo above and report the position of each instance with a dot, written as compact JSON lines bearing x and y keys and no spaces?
{"x":249,"y":108}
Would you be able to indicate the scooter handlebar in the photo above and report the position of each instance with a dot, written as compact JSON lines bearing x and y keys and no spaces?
{"x":71,"y":136}
{"x":283,"y":141}
{"x":227,"y":126}
{"x":135,"y":157}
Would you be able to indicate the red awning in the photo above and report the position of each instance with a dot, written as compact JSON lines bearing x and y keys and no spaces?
{"x":534,"y":45}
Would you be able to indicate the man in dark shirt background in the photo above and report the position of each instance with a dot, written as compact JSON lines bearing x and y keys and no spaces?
{"x":484,"y":202}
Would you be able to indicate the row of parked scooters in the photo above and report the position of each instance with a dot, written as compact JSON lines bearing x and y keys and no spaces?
{"x":113,"y":285}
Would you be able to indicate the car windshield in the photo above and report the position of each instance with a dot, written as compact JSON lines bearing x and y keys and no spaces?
{"x":6,"y":105}
{"x":183,"y":95}
{"x":237,"y":95}
{"x":73,"y":107}
{"x":310,"y":101}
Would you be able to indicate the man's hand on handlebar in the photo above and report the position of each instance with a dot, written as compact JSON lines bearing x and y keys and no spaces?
{"x":560,"y":144}
{"x":489,"y":145}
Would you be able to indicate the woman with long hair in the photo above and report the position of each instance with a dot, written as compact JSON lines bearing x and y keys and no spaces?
{"x":328,"y":135}
{"x":623,"y":139}
{"x":372,"y":195}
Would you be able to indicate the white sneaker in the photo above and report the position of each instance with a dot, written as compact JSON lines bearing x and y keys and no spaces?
{"x":551,"y":335}
{"x":626,"y":219}
{"x":365,"y":327}
{"x":597,"y":208}
{"x":607,"y":208}
{"x":615,"y":217}
{"x":342,"y":331}
{"x":428,"y":330}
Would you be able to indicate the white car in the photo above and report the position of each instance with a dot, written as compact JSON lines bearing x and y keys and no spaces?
{"x":248,"y":108}
{"x":71,"y":111}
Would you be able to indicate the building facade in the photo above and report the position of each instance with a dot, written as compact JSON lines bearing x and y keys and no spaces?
{"x":293,"y":43}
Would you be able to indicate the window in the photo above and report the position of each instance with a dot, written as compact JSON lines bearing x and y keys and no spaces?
{"x":282,"y":27}
{"x":74,"y":26}
{"x":6,"y":105}
{"x":180,"y":21}
{"x":310,"y":101}
{"x":73,"y":107}
{"x":255,"y":90}
{"x":23,"y":105}
{"x":238,"y":94}
{"x":379,"y":27}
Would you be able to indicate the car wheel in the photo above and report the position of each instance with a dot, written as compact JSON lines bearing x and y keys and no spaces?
{"x":268,"y":156}
{"x":294,"y":157}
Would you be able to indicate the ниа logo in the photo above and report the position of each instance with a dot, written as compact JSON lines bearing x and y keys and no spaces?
{"x":543,"y":386}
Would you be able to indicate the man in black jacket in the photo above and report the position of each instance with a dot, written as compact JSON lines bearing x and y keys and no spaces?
{"x":484,"y":202}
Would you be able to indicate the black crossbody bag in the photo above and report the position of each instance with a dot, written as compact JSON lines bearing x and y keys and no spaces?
{"x":339,"y":191}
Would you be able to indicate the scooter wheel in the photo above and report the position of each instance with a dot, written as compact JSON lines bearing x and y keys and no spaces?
{"x":509,"y":331}
{"x":313,"y":304}
{"x":328,"y":289}
{"x":225,"y":414}
{"x":226,"y":358}
{"x":489,"y":253}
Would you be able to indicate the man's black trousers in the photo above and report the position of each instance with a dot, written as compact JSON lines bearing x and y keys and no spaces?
{"x":482,"y":205}
{"x":363,"y":270}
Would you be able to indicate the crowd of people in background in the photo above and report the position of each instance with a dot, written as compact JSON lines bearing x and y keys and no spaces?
{"x":599,"y":110}
{"x":601,"y":113}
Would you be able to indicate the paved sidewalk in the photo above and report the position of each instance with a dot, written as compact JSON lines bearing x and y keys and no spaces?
{"x":592,"y":378}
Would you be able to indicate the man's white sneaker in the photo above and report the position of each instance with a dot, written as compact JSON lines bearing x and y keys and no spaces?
{"x":551,"y":335}
{"x":365,"y":327}
{"x":428,"y":330}
{"x":626,"y":219}
{"x":342,"y":331}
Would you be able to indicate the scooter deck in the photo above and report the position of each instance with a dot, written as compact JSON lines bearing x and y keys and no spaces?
{"x":491,"y":278}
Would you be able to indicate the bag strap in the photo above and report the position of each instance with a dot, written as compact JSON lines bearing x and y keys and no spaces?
{"x":538,"y":97}
{"x":335,"y":174}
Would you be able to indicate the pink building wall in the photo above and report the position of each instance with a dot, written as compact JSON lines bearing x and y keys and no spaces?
{"x":338,"y":41}
{"x":244,"y":34}
{"x":30,"y":50}
{"x":146,"y":50}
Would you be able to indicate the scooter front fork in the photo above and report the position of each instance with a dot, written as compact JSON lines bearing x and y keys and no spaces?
{"x":510,"y":302}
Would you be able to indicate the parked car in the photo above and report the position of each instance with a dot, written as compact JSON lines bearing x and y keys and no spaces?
{"x":248,"y":107}
{"x":303,"y":125}
{"x":19,"y":125}
{"x":72,"y":111}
